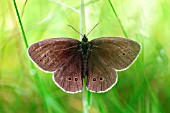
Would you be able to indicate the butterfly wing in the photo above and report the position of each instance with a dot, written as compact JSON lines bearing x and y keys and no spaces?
{"x":69,"y":77}
{"x":118,"y":53}
{"x":107,"y":55}
{"x":51,"y":54}
{"x":61,"y":56}
{"x":100,"y":77}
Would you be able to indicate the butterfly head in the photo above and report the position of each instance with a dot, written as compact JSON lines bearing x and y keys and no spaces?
{"x":84,"y":39}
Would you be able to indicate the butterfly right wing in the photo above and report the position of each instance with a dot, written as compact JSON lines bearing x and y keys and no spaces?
{"x":61,"y":56}
{"x":51,"y":54}
{"x":69,"y":76}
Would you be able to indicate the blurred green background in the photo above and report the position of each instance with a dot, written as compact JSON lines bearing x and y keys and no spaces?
{"x":143,"y":88}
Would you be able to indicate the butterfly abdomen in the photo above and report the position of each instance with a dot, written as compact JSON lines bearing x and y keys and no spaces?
{"x":85,"y":47}
{"x":84,"y":67}
{"x":85,"y":53}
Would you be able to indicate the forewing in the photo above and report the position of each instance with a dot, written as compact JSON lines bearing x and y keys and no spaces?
{"x":118,"y":53}
{"x":68,"y":77}
{"x":100,"y":77}
{"x":51,"y":54}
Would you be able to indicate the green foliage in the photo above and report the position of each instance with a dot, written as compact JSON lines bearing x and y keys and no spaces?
{"x":143,"y":88}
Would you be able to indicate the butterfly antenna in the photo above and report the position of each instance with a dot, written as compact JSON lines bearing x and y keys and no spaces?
{"x":93,"y":28}
{"x":75,"y":30}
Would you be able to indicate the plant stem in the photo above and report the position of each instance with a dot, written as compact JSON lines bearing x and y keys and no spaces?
{"x":85,"y":98}
{"x":82,"y":19}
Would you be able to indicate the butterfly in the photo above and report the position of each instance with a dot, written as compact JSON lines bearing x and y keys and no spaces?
{"x":71,"y":60}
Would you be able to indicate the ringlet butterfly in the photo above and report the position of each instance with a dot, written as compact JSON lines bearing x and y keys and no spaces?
{"x":71,"y":60}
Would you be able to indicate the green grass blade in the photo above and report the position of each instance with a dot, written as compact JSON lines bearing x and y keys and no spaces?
{"x":100,"y":103}
{"x":22,"y":28}
{"x":38,"y":80}
{"x":114,"y":11}
{"x":67,"y":6}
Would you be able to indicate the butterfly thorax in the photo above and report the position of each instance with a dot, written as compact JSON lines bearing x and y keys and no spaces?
{"x":84,"y":47}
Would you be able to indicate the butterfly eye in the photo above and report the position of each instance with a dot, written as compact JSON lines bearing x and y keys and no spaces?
{"x":123,"y":53}
{"x":94,"y":79}
{"x":76,"y":79}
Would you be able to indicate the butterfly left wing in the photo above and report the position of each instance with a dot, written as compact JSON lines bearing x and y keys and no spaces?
{"x":107,"y":55}
{"x":100,"y":78}
{"x":118,"y":53}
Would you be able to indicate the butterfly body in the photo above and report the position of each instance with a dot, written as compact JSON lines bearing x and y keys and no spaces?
{"x":71,"y":60}
{"x":85,"y":47}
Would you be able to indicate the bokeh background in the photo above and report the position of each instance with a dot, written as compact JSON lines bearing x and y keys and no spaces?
{"x":143,"y":88}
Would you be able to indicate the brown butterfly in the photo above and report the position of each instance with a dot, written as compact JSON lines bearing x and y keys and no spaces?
{"x":72,"y":60}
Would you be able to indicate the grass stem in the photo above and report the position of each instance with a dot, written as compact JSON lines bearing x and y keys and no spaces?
{"x":86,"y":95}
